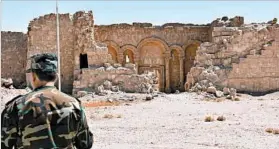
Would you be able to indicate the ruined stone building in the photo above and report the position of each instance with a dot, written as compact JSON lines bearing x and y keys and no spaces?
{"x":182,"y":56}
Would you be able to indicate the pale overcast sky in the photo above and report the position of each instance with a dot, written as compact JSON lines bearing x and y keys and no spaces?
{"x":16,"y":15}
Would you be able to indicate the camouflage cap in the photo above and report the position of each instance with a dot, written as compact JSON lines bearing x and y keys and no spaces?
{"x":46,"y":62}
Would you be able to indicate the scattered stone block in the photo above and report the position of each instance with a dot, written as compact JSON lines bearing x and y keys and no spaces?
{"x":148,"y":97}
{"x":107,"y":85}
{"x":219,"y":94}
{"x":81,"y":93}
{"x":7,"y":83}
{"x":211,"y":90}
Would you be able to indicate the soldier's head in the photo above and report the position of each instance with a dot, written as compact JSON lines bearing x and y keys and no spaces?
{"x":41,"y":69}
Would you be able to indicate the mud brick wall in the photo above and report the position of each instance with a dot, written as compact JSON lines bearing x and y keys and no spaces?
{"x":13,"y":56}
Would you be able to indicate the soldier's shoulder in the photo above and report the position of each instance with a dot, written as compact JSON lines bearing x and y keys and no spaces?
{"x":68,"y":99}
{"x":11,"y":105}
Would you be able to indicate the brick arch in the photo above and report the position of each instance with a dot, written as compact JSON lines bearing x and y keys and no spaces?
{"x":179,"y":49}
{"x":153,"y":40}
{"x":190,"y":49}
{"x":191,"y":42}
{"x":174,"y":67}
{"x":130,"y":47}
{"x":116,"y":47}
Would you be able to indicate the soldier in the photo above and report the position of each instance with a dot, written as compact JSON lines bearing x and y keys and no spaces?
{"x":44,"y":118}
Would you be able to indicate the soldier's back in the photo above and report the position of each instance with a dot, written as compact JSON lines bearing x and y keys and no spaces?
{"x":48,"y":119}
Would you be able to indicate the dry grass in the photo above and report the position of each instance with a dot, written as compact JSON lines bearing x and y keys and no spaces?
{"x":236,"y":99}
{"x":108,"y":116}
{"x":207,"y":99}
{"x":220,"y":99}
{"x":214,"y":99}
{"x":209,"y":119}
{"x":221,"y":118}
{"x":269,"y":130}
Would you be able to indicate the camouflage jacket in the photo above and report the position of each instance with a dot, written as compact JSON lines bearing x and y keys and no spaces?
{"x":45,"y":119}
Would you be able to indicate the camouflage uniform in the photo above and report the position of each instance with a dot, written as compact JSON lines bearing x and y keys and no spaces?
{"x":45,"y":118}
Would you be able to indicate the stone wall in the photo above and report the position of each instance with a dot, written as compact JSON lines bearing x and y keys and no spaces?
{"x":85,"y":43}
{"x":124,"y":77}
{"x":13,"y":56}
{"x":258,"y":73}
{"x":162,"y":48}
{"x":42,"y":39}
{"x":235,"y":54}
{"x":124,"y":34}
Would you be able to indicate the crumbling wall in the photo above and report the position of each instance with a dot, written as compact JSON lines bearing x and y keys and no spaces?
{"x":13,"y":57}
{"x":124,"y":34}
{"x":125,"y":78}
{"x":42,"y":39}
{"x":85,"y":43}
{"x":230,"y":46}
{"x":258,"y":73}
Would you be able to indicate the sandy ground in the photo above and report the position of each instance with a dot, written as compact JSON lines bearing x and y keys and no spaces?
{"x":176,"y":121}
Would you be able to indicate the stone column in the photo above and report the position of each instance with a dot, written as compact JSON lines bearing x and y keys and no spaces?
{"x":167,"y":63}
{"x":181,"y":72}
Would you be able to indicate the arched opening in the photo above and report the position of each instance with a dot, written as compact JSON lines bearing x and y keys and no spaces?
{"x":83,"y":61}
{"x":152,"y":53}
{"x":174,"y":71}
{"x":128,"y":57}
{"x":113,"y":53}
{"x":190,"y":54}
{"x":152,"y":61}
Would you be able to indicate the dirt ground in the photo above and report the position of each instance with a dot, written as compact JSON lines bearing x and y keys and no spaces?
{"x":176,"y":121}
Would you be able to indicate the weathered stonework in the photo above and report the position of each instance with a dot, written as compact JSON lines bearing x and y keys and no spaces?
{"x":225,"y":53}
{"x":168,"y":49}
{"x":42,"y":39}
{"x":13,"y":56}
{"x":238,"y":57}
{"x":258,"y":73}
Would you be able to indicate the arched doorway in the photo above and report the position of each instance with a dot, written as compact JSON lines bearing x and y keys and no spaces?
{"x":190,"y":54}
{"x":113,"y":52}
{"x":174,"y":71}
{"x":151,"y":59}
{"x":128,"y":56}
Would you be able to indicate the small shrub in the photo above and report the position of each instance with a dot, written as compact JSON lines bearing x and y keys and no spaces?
{"x":236,"y":99}
{"x":225,"y":18}
{"x":221,"y":118}
{"x":209,"y":119}
{"x":274,"y":21}
{"x":268,"y":130}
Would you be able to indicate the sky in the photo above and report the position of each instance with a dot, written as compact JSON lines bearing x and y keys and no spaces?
{"x":16,"y":15}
